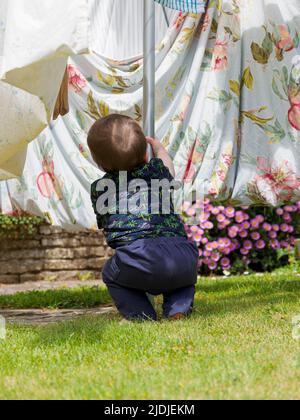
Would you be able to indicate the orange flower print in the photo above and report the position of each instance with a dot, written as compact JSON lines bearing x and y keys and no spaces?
{"x":285,"y":41}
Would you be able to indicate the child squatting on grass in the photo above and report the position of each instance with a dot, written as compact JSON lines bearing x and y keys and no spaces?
{"x":153,"y":254}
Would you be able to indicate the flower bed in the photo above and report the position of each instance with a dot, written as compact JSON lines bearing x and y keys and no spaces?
{"x":235,"y":240}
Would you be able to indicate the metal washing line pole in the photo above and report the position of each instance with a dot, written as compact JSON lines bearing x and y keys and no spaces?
{"x":149,"y":68}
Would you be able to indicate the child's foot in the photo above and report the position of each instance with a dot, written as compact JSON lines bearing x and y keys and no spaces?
{"x":178,"y":317}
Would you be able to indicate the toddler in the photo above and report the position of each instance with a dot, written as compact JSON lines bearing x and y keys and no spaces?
{"x":153,"y":254}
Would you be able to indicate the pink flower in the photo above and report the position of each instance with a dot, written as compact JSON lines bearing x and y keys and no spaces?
{"x":243,"y":234}
{"x":197,"y":238}
{"x":212,"y":265}
{"x":244,"y":251}
{"x":248,"y":245}
{"x":260,"y":218}
{"x":221,"y":218}
{"x":76,"y":80}
{"x":215,"y":257}
{"x":284,"y":244}
{"x":284,"y":228}
{"x":246,"y":225}
{"x":273,"y":235}
{"x":222,"y":175}
{"x":285,"y":41}
{"x":225,"y":262}
{"x":287,"y":218}
{"x":276,"y":228}
{"x":275,"y":244}
{"x":239,"y":217}
{"x":209,"y":247}
{"x":194,"y":229}
{"x":267,"y":227}
{"x":209,"y":225}
{"x":280,"y":178}
{"x":279,"y":212}
{"x":215,"y":211}
{"x":230,"y":212}
{"x":260,"y":244}
{"x":220,"y":56}
{"x":255,"y":236}
{"x":232,"y":233}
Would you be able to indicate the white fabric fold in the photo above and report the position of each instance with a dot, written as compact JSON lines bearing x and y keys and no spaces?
{"x":36,"y":39}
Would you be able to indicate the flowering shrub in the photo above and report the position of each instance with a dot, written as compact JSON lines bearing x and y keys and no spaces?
{"x":19,"y":226}
{"x":235,"y":240}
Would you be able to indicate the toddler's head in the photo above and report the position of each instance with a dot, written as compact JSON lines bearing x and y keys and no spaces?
{"x":117,"y":143}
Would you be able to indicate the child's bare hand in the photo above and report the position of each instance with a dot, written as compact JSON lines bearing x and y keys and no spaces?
{"x":156,"y":145}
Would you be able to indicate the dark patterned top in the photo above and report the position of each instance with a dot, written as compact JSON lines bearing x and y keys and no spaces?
{"x":123,"y":227}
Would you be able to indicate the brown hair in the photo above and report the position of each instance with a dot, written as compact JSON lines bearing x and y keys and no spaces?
{"x":117,"y":143}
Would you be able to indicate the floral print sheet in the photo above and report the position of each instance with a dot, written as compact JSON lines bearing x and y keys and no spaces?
{"x":227,"y":109}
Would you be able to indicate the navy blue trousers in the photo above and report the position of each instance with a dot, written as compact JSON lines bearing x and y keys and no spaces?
{"x":160,"y":266}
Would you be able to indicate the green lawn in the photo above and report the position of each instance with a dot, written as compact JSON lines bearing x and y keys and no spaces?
{"x":237,"y":345}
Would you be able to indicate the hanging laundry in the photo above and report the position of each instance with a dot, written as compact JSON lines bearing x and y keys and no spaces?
{"x":227,"y":110}
{"x":62,"y":103}
{"x":187,"y":6}
{"x":32,"y":66}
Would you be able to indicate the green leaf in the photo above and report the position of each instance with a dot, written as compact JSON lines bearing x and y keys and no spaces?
{"x":248,"y":79}
{"x":92,"y":108}
{"x":104,"y":109}
{"x":80,"y":119}
{"x":259,"y":54}
{"x":268,"y":44}
{"x":235,"y":87}
{"x":276,"y":89}
{"x":214,"y":26}
{"x":279,"y":54}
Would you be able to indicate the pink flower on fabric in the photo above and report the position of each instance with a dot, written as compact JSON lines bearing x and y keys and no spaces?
{"x":285,"y":41}
{"x":220,"y":57}
{"x":281,"y":178}
{"x":76,"y":80}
